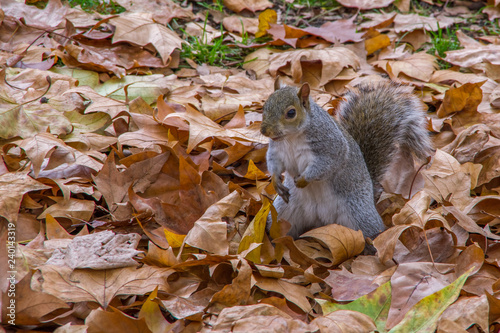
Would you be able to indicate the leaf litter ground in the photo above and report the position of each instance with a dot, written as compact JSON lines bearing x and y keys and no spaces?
{"x":134,"y":188}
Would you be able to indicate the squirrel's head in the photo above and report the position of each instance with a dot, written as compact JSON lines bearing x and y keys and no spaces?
{"x":285,"y":111}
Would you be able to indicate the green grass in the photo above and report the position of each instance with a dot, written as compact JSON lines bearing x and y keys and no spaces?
{"x":216,"y":52}
{"x":99,"y":6}
{"x":217,"y":5}
{"x":443,"y":40}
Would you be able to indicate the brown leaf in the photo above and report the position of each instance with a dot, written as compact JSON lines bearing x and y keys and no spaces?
{"x":343,"y":242}
{"x":344,"y":321}
{"x":467,"y":311}
{"x":365,"y":4}
{"x":446,"y":179}
{"x":30,"y":305}
{"x":236,"y":293}
{"x":141,"y":29}
{"x":241,"y":24}
{"x":13,"y":186}
{"x":464,"y":98}
{"x":339,"y":31}
{"x":252,"y":5}
{"x":347,"y":286}
{"x":294,"y":293}
{"x":376,"y":43}
{"x":297,"y":63}
{"x":163,"y":12}
{"x":413,"y":281}
{"x":410,"y":22}
{"x":251,"y":318}
{"x":473,"y":52}
{"x":209,"y":236}
{"x":418,"y":65}
{"x":100,"y":320}
{"x":55,"y":230}
{"x":99,"y":286}
{"x":483,"y":281}
{"x":201,"y":128}
{"x":72,"y":208}
{"x":114,"y":184}
{"x":469,"y":224}
{"x":470,"y":258}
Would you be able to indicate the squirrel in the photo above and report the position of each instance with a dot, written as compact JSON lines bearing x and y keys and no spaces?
{"x":333,"y":168}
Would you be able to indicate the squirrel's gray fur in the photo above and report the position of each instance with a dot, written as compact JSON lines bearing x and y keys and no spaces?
{"x":337,"y":164}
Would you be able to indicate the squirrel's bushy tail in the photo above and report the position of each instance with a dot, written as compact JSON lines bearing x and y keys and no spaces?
{"x":381,"y":118}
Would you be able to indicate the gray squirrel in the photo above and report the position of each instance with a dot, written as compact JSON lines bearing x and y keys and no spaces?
{"x":333,"y":168}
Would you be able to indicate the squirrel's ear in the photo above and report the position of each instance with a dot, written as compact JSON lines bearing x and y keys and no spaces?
{"x":277,"y":83}
{"x":304,"y":95}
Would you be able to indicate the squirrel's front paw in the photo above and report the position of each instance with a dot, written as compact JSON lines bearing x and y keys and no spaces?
{"x":281,"y":189}
{"x":283,"y":192}
{"x":300,"y":182}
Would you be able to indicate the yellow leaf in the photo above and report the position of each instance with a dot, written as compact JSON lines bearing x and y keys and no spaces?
{"x":173,"y":239}
{"x":265,"y":19}
{"x":255,"y":232}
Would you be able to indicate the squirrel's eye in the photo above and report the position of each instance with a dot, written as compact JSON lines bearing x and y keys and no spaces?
{"x":290,"y":114}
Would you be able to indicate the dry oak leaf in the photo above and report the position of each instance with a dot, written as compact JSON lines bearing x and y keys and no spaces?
{"x":294,"y":293}
{"x":365,"y":4}
{"x":45,"y":146}
{"x":70,"y":208}
{"x":163,"y":11}
{"x":13,"y":186}
{"x":140,"y":29}
{"x":377,"y":21}
{"x":201,"y":128}
{"x":412,"y":218}
{"x":467,"y":97}
{"x":31,"y":305}
{"x":447,"y":179}
{"x":240,"y":24}
{"x":420,"y":66}
{"x":51,"y":16}
{"x":252,"y":5}
{"x":341,"y":321}
{"x":334,"y":60}
{"x":209,"y":236}
{"x":467,"y":311}
{"x":347,"y":286}
{"x":238,"y":292}
{"x":410,"y":22}
{"x":471,"y":142}
{"x":100,"y":320}
{"x":473,"y":53}
{"x":83,"y":285}
{"x":339,"y":31}
{"x":253,"y":318}
{"x":343,"y":242}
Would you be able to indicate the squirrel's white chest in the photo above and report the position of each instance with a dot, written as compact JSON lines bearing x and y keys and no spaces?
{"x":295,"y":154}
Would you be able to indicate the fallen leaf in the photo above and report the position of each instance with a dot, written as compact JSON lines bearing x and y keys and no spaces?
{"x":13,"y":186}
{"x":99,"y":286}
{"x":365,"y":4}
{"x":425,"y":314}
{"x":140,"y":29}
{"x":252,"y":5}
{"x":343,"y":242}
